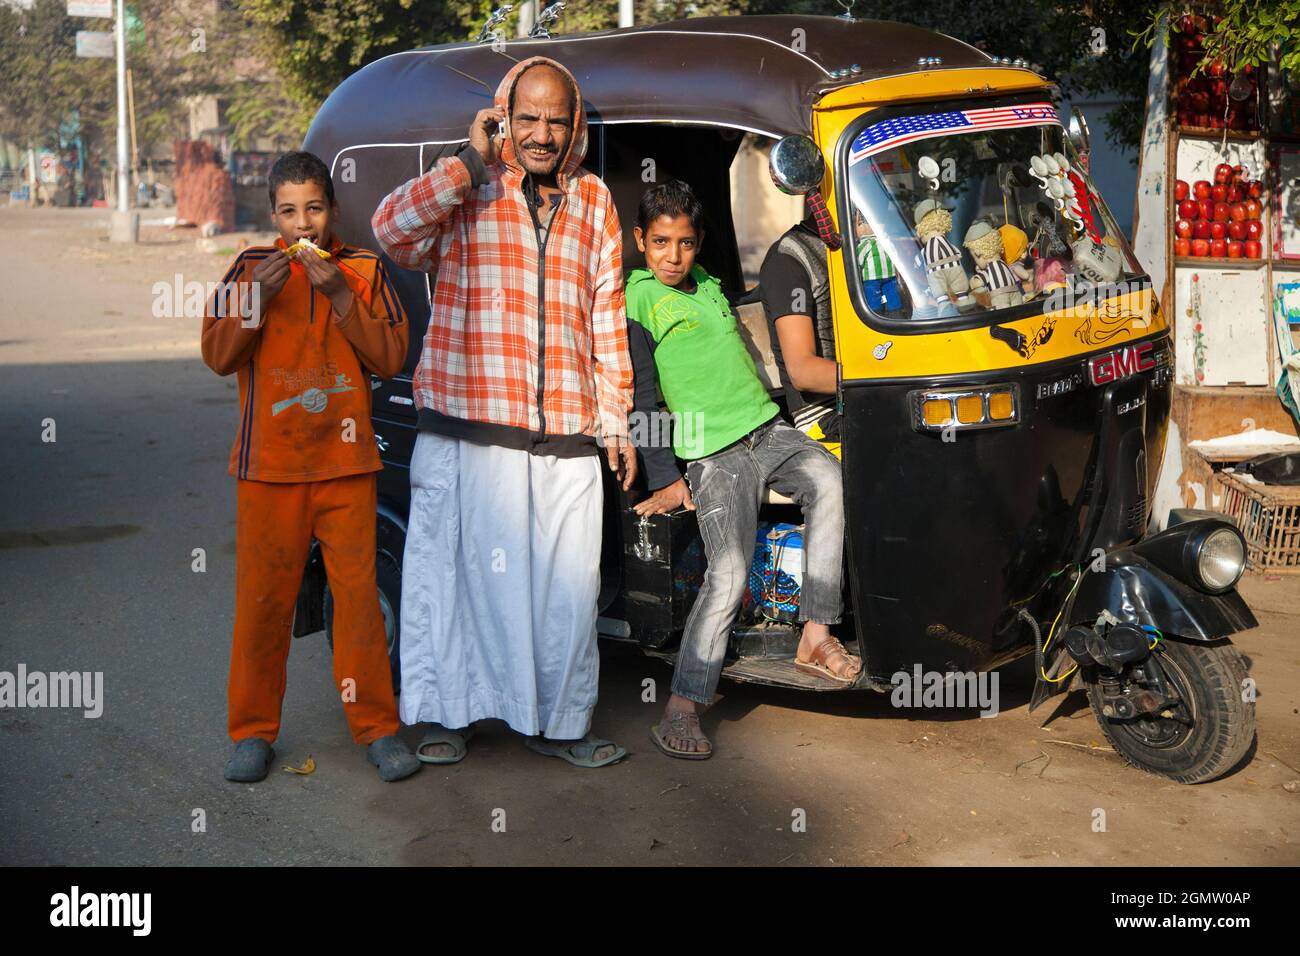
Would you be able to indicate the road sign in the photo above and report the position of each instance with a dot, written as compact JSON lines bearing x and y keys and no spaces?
{"x":90,"y":8}
{"x":94,"y":43}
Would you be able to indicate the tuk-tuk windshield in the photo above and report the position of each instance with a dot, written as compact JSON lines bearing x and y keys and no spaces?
{"x":959,"y":211}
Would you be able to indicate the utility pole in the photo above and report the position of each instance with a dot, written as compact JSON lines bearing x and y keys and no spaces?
{"x":624,"y":13}
{"x":126,"y":224}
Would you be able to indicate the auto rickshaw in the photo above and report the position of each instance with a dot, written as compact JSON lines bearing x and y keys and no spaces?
{"x":1001,"y":436}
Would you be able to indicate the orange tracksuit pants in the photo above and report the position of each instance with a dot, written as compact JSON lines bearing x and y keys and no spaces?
{"x":275,"y":523}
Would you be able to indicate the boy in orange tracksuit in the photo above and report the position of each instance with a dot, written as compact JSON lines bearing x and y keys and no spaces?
{"x":304,"y":330}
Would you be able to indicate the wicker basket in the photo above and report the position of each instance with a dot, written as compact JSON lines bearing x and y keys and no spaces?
{"x":1269,"y":518}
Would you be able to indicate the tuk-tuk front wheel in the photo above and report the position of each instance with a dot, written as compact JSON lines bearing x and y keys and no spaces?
{"x":1205,"y":734}
{"x":388,"y":579}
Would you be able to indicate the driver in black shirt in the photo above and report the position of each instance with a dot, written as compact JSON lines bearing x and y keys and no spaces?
{"x":796,"y":300}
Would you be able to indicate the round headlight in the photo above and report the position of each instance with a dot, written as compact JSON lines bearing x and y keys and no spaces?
{"x":1221,"y":560}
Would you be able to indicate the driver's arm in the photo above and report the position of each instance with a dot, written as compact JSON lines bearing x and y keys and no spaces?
{"x":807,"y":370}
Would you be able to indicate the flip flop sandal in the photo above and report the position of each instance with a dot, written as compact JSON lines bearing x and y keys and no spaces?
{"x":816,"y":664}
{"x":456,"y":739}
{"x":677,"y":728}
{"x":577,"y":752}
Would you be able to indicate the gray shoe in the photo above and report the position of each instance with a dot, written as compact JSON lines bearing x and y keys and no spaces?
{"x":250,"y":761}
{"x":393,"y":758}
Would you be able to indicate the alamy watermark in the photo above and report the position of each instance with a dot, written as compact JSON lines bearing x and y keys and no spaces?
{"x":180,"y":299}
{"x":75,"y":909}
{"x":656,"y":429}
{"x":79,"y":690}
{"x":952,"y":689}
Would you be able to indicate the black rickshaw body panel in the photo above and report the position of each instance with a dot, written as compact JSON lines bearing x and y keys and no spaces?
{"x":1134,"y":587}
{"x":948,"y":540}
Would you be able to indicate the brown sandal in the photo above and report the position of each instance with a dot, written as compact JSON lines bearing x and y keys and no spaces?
{"x":679,"y":728}
{"x":817,"y":664}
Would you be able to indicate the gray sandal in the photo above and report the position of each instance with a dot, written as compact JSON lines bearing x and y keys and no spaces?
{"x":250,"y":761}
{"x":456,"y":739}
{"x":580,"y":753}
{"x":393,"y":758}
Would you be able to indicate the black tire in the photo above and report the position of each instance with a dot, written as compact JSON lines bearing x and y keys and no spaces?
{"x":388,"y":578}
{"x":1210,"y":678}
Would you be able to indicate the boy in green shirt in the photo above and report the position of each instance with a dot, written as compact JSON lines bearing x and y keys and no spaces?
{"x":729,"y":431}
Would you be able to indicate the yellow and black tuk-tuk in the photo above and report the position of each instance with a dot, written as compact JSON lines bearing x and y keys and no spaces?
{"x":1003,"y":411}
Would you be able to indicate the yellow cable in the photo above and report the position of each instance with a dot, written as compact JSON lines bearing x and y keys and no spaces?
{"x":1052,"y":632}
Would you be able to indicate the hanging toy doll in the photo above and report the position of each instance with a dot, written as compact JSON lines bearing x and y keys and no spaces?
{"x":1015,"y":253}
{"x":879,"y":277}
{"x":992,"y":274}
{"x":948,"y":280}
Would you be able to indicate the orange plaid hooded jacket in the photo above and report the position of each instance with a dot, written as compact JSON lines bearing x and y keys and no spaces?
{"x":523,"y":350}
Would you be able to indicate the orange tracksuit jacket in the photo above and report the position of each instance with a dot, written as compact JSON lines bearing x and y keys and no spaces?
{"x":305,"y":456}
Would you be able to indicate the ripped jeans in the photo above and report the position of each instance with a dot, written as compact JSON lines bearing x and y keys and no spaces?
{"x":727,"y":488}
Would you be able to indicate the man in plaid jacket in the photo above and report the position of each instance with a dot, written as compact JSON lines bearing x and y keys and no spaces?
{"x":523,"y":376}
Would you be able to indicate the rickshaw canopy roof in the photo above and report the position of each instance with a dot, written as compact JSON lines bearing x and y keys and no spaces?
{"x":759,"y":73}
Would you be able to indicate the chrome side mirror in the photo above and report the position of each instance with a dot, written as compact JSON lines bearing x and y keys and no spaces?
{"x":796,"y":165}
{"x":1077,"y":131}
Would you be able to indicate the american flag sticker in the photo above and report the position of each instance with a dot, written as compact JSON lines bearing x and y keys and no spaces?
{"x":904,"y":129}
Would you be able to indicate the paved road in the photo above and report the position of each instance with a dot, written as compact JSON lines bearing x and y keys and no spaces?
{"x":97,"y":529}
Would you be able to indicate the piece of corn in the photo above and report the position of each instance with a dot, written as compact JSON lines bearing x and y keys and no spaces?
{"x":307,"y":244}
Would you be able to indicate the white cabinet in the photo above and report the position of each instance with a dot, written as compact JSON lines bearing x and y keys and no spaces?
{"x":1222,"y":326}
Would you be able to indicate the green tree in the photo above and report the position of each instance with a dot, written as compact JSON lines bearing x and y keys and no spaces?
{"x":315,"y":44}
{"x":42,"y":83}
{"x":1086,"y":49}
{"x":175,"y":51}
{"x":1247,"y":32}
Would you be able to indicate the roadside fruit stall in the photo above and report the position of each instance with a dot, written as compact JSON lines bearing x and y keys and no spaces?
{"x":1218,"y":226}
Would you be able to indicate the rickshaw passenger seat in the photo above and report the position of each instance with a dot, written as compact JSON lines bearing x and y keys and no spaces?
{"x":753,"y":330}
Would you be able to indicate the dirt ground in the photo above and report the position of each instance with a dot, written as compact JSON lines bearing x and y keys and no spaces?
{"x":97,"y":531}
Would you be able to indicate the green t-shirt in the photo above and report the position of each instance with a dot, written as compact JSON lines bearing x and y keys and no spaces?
{"x":708,"y":378}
